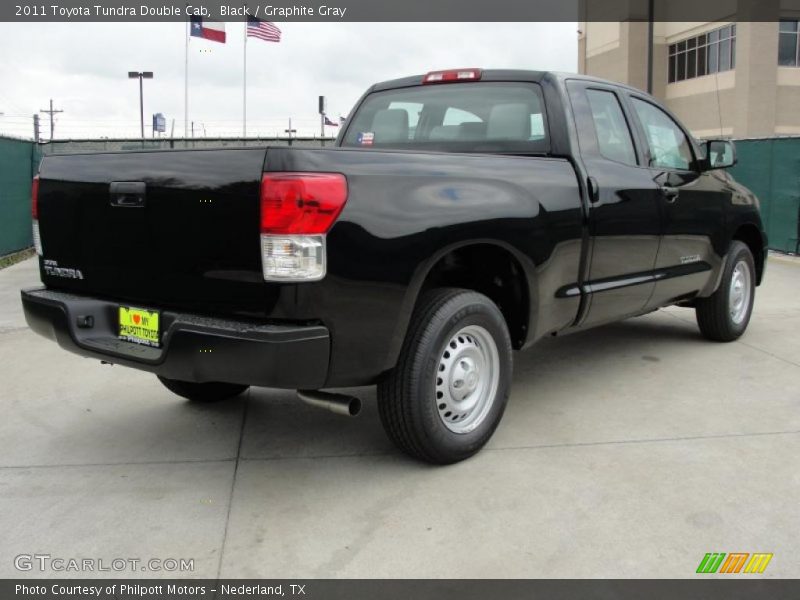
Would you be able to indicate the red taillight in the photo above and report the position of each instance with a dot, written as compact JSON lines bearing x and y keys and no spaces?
{"x":301,"y":203}
{"x":452,"y":75}
{"x":35,"y":197}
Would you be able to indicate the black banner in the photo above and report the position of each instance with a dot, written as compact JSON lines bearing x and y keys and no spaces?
{"x":736,"y":588}
{"x":400,"y":10}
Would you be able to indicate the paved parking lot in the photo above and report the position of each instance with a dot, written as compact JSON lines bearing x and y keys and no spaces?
{"x":627,"y":451}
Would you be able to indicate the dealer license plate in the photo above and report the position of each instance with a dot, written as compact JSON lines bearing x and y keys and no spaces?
{"x":139,"y":326}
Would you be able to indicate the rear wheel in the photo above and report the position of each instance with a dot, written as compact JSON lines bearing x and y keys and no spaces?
{"x":724,"y":315}
{"x":447,"y":394}
{"x":202,"y":392}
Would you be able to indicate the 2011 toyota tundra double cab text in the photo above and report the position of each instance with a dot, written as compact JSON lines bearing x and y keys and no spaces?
{"x":460,"y":216}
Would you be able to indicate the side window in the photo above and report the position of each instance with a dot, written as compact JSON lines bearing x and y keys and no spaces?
{"x":458,"y":124}
{"x":669,"y":147}
{"x":537,"y":126}
{"x":613,"y":135}
{"x":456,"y":116}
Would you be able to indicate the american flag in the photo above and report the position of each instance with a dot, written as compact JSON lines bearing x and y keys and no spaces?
{"x":263,"y":30}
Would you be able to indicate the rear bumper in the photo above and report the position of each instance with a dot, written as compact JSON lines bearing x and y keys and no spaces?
{"x":193,"y":347}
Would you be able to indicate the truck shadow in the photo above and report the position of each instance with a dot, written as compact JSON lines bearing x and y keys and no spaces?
{"x":280,"y":426}
{"x":644,"y":337}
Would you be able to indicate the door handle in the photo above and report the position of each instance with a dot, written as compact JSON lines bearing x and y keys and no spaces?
{"x":593,"y":189}
{"x":128,"y":194}
{"x":670,"y":193}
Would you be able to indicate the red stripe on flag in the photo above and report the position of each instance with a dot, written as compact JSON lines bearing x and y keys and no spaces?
{"x":214,"y":35}
{"x":265,"y":37}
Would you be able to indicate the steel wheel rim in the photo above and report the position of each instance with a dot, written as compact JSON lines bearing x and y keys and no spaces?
{"x":467,"y":378}
{"x":739,"y":292}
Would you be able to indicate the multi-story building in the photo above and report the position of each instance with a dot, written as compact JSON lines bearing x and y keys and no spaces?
{"x":725,"y":78}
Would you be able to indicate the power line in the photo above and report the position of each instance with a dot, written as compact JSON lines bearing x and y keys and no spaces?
{"x":10,"y":103}
{"x":51,"y":112}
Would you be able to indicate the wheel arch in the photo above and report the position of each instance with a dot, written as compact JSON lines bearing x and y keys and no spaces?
{"x":750,"y":235}
{"x":463,"y":265}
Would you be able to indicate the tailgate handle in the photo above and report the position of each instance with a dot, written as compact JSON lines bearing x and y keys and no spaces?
{"x":128,"y":194}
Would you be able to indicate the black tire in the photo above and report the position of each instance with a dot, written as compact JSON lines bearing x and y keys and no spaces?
{"x":202,"y":392}
{"x":407,"y":399}
{"x":714,"y":314}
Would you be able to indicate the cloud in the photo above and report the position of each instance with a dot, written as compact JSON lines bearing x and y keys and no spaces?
{"x":83,"y":67}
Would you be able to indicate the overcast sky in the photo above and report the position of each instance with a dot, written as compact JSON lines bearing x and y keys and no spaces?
{"x":83,"y":67}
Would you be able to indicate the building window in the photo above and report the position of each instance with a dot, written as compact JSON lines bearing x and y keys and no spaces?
{"x":704,"y":54}
{"x":789,"y":44}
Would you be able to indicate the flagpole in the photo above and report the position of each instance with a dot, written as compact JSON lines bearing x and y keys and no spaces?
{"x":244,"y":82}
{"x":186,"y":82}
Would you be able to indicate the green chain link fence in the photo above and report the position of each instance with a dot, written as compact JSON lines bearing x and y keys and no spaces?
{"x":18,"y":159}
{"x":771,"y":169}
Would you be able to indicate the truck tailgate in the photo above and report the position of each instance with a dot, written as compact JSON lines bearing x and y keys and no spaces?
{"x":192,"y":239}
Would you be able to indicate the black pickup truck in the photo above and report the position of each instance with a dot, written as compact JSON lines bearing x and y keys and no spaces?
{"x":460,"y":216}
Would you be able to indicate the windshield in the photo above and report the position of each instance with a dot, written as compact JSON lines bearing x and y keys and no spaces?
{"x":455,"y":117}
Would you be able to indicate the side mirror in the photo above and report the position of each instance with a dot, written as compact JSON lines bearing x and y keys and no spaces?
{"x":720,"y":154}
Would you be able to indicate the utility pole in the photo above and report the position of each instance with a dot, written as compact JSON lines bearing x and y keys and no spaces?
{"x":290,"y":131}
{"x":141,"y":75}
{"x":51,"y":112}
{"x":323,"y":104}
{"x":36,"y":128}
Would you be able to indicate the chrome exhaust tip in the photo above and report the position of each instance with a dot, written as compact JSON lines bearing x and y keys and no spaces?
{"x":341,"y":404}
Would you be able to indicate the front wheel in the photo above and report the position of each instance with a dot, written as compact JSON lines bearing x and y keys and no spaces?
{"x":724,"y":315}
{"x":202,"y":392}
{"x":447,"y":394}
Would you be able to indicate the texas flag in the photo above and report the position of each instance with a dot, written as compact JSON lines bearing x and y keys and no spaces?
{"x":210,"y":30}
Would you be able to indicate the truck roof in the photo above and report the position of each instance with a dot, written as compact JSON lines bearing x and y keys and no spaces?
{"x":501,"y":75}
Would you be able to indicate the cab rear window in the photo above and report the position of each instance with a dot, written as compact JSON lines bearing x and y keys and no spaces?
{"x":457,"y":117}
